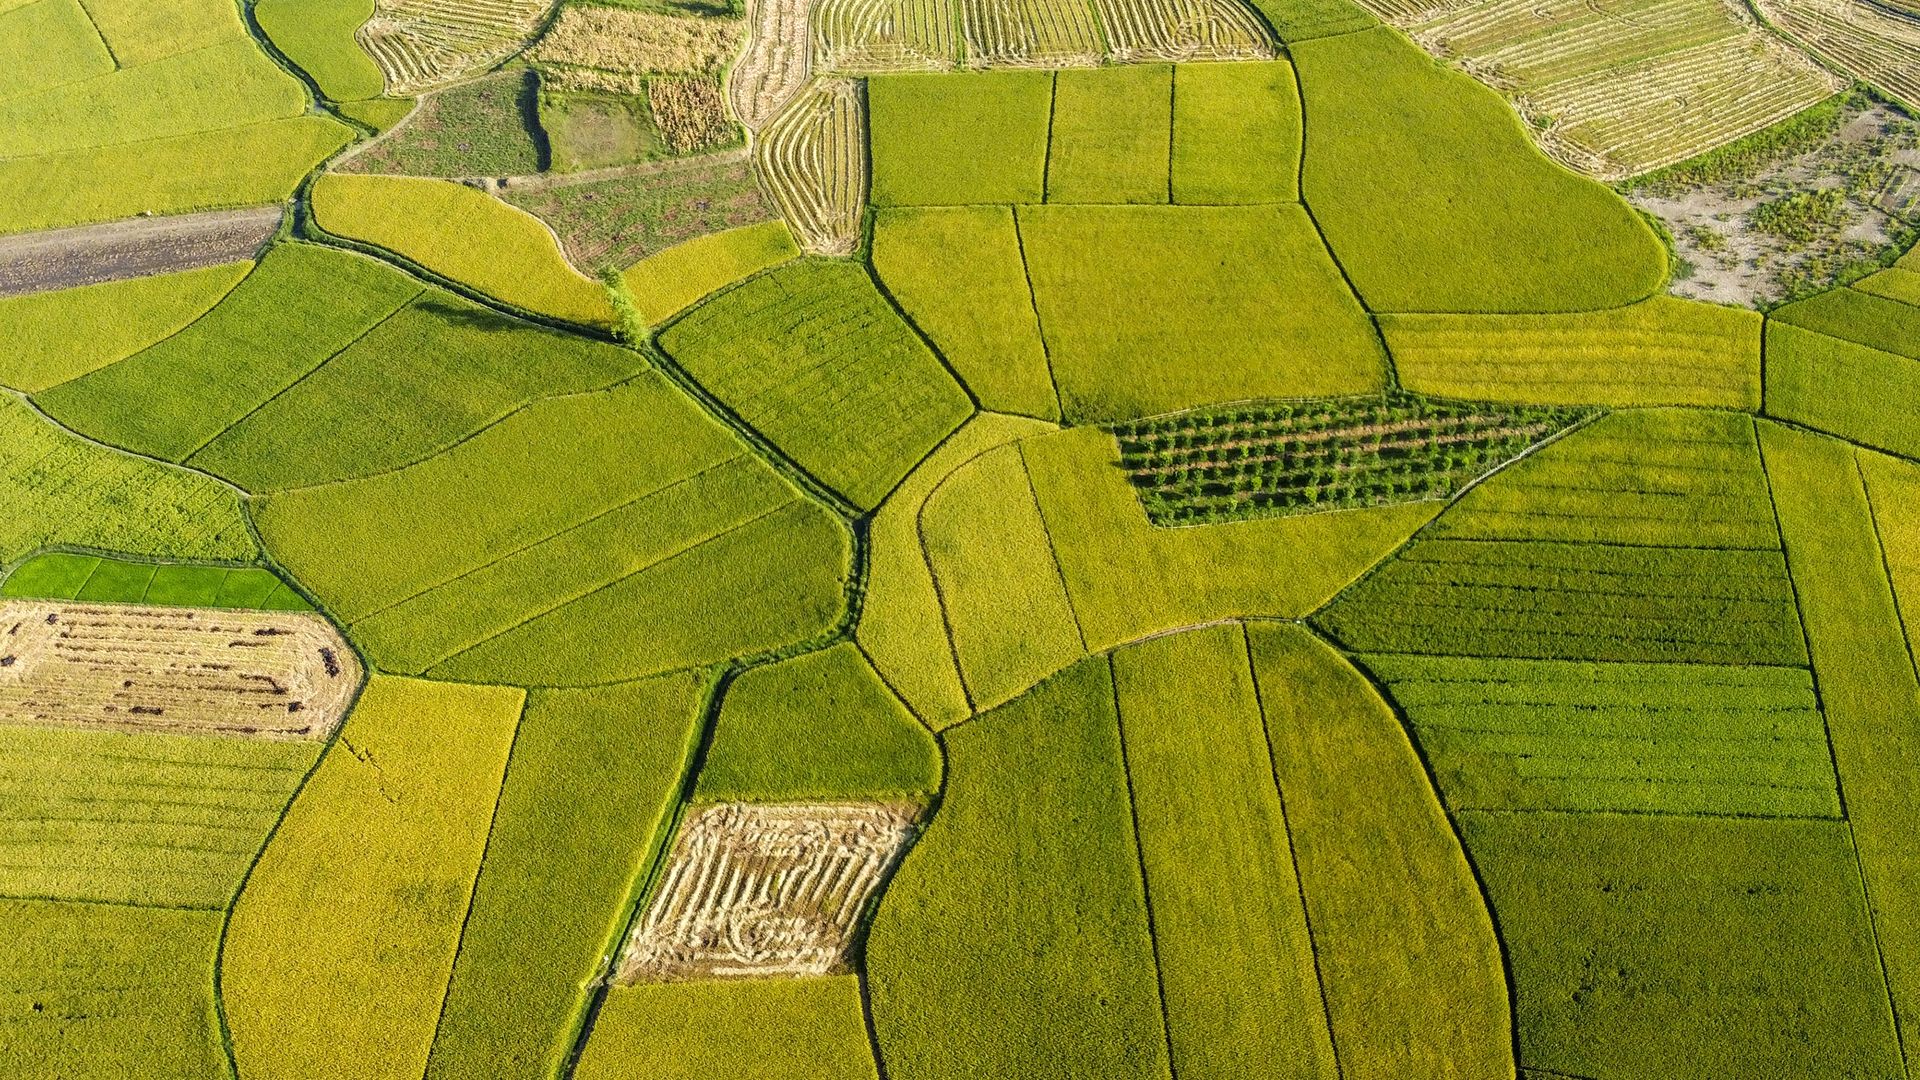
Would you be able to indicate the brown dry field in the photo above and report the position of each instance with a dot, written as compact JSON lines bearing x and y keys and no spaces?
{"x":753,"y":890}
{"x":776,"y":62}
{"x":639,"y":42}
{"x":137,"y":247}
{"x":130,"y":667}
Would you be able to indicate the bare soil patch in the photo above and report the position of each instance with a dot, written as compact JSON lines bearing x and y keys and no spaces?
{"x":754,"y":890}
{"x":1728,"y":257}
{"x":200,"y":671}
{"x":137,"y":247}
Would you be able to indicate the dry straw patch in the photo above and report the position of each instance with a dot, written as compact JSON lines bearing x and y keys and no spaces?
{"x":775,"y":65}
{"x":1867,"y":41}
{"x":754,"y":890}
{"x":130,"y":667}
{"x":639,"y":42}
{"x":690,"y":113}
{"x":813,"y":158}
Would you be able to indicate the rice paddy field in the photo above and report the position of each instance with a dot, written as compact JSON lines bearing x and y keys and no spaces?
{"x":1027,"y":539}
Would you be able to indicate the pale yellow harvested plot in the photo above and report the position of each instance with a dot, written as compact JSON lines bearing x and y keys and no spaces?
{"x":774,"y":66}
{"x":870,"y":36}
{"x":343,"y":938}
{"x":813,"y":157}
{"x":421,"y":44}
{"x":1149,"y":30}
{"x":1624,"y":88}
{"x":1030,"y":33}
{"x":799,"y":876}
{"x":1866,"y":41}
{"x":639,"y":42}
{"x":130,"y":667}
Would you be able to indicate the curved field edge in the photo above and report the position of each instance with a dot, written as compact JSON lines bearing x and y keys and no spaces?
{"x":1017,"y":941}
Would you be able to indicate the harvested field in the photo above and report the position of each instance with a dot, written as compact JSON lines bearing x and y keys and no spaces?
{"x":1619,"y":89}
{"x":421,"y":44}
{"x":874,"y":36}
{"x":690,"y":113}
{"x":774,"y":66}
{"x":754,"y":890}
{"x":813,"y":157}
{"x":623,"y":41}
{"x":1030,"y":33}
{"x":1868,"y":41}
{"x":64,"y":258}
{"x":1139,"y":30}
{"x":128,"y":667}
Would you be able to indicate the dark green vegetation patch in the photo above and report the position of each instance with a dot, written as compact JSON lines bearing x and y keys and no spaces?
{"x":1292,"y":458}
{"x":67,"y":576}
{"x":488,"y":127}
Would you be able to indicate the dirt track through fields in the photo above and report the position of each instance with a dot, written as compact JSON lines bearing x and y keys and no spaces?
{"x":137,"y":247}
{"x":195,"y":671}
{"x":756,"y":890}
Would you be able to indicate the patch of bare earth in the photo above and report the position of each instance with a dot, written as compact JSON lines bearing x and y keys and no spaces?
{"x":1873,"y":158}
{"x":130,"y":667}
{"x":753,"y":890}
{"x":137,"y":247}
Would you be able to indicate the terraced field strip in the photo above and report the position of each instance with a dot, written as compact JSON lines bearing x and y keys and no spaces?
{"x":873,"y":36}
{"x":776,"y":64}
{"x":755,"y":890}
{"x":1619,"y":123}
{"x":1867,"y":686}
{"x":64,"y":258}
{"x":159,"y":819}
{"x":1626,"y":88}
{"x":127,"y":667}
{"x":813,"y":157}
{"x":1865,"y":40}
{"x":1662,"y":738}
{"x":421,"y":44}
{"x":1030,"y":33}
{"x":1148,"y":30}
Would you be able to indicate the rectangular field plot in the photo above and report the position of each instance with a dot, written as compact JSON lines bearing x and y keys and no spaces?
{"x":1670,"y":946}
{"x":813,"y":357}
{"x":862,"y":36}
{"x":1852,"y":390}
{"x":1111,"y":135}
{"x":1151,"y":309}
{"x":798,"y":878}
{"x":158,"y":819}
{"x":1663,"y":351}
{"x":1666,"y":738}
{"x":943,"y":140}
{"x":186,"y":670}
{"x":1559,"y":601}
{"x":61,"y":576}
{"x":1030,"y":33}
{"x":99,"y":990}
{"x":1684,"y":478}
{"x":1624,"y":88}
{"x":772,"y":1029}
{"x":1236,"y":133}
